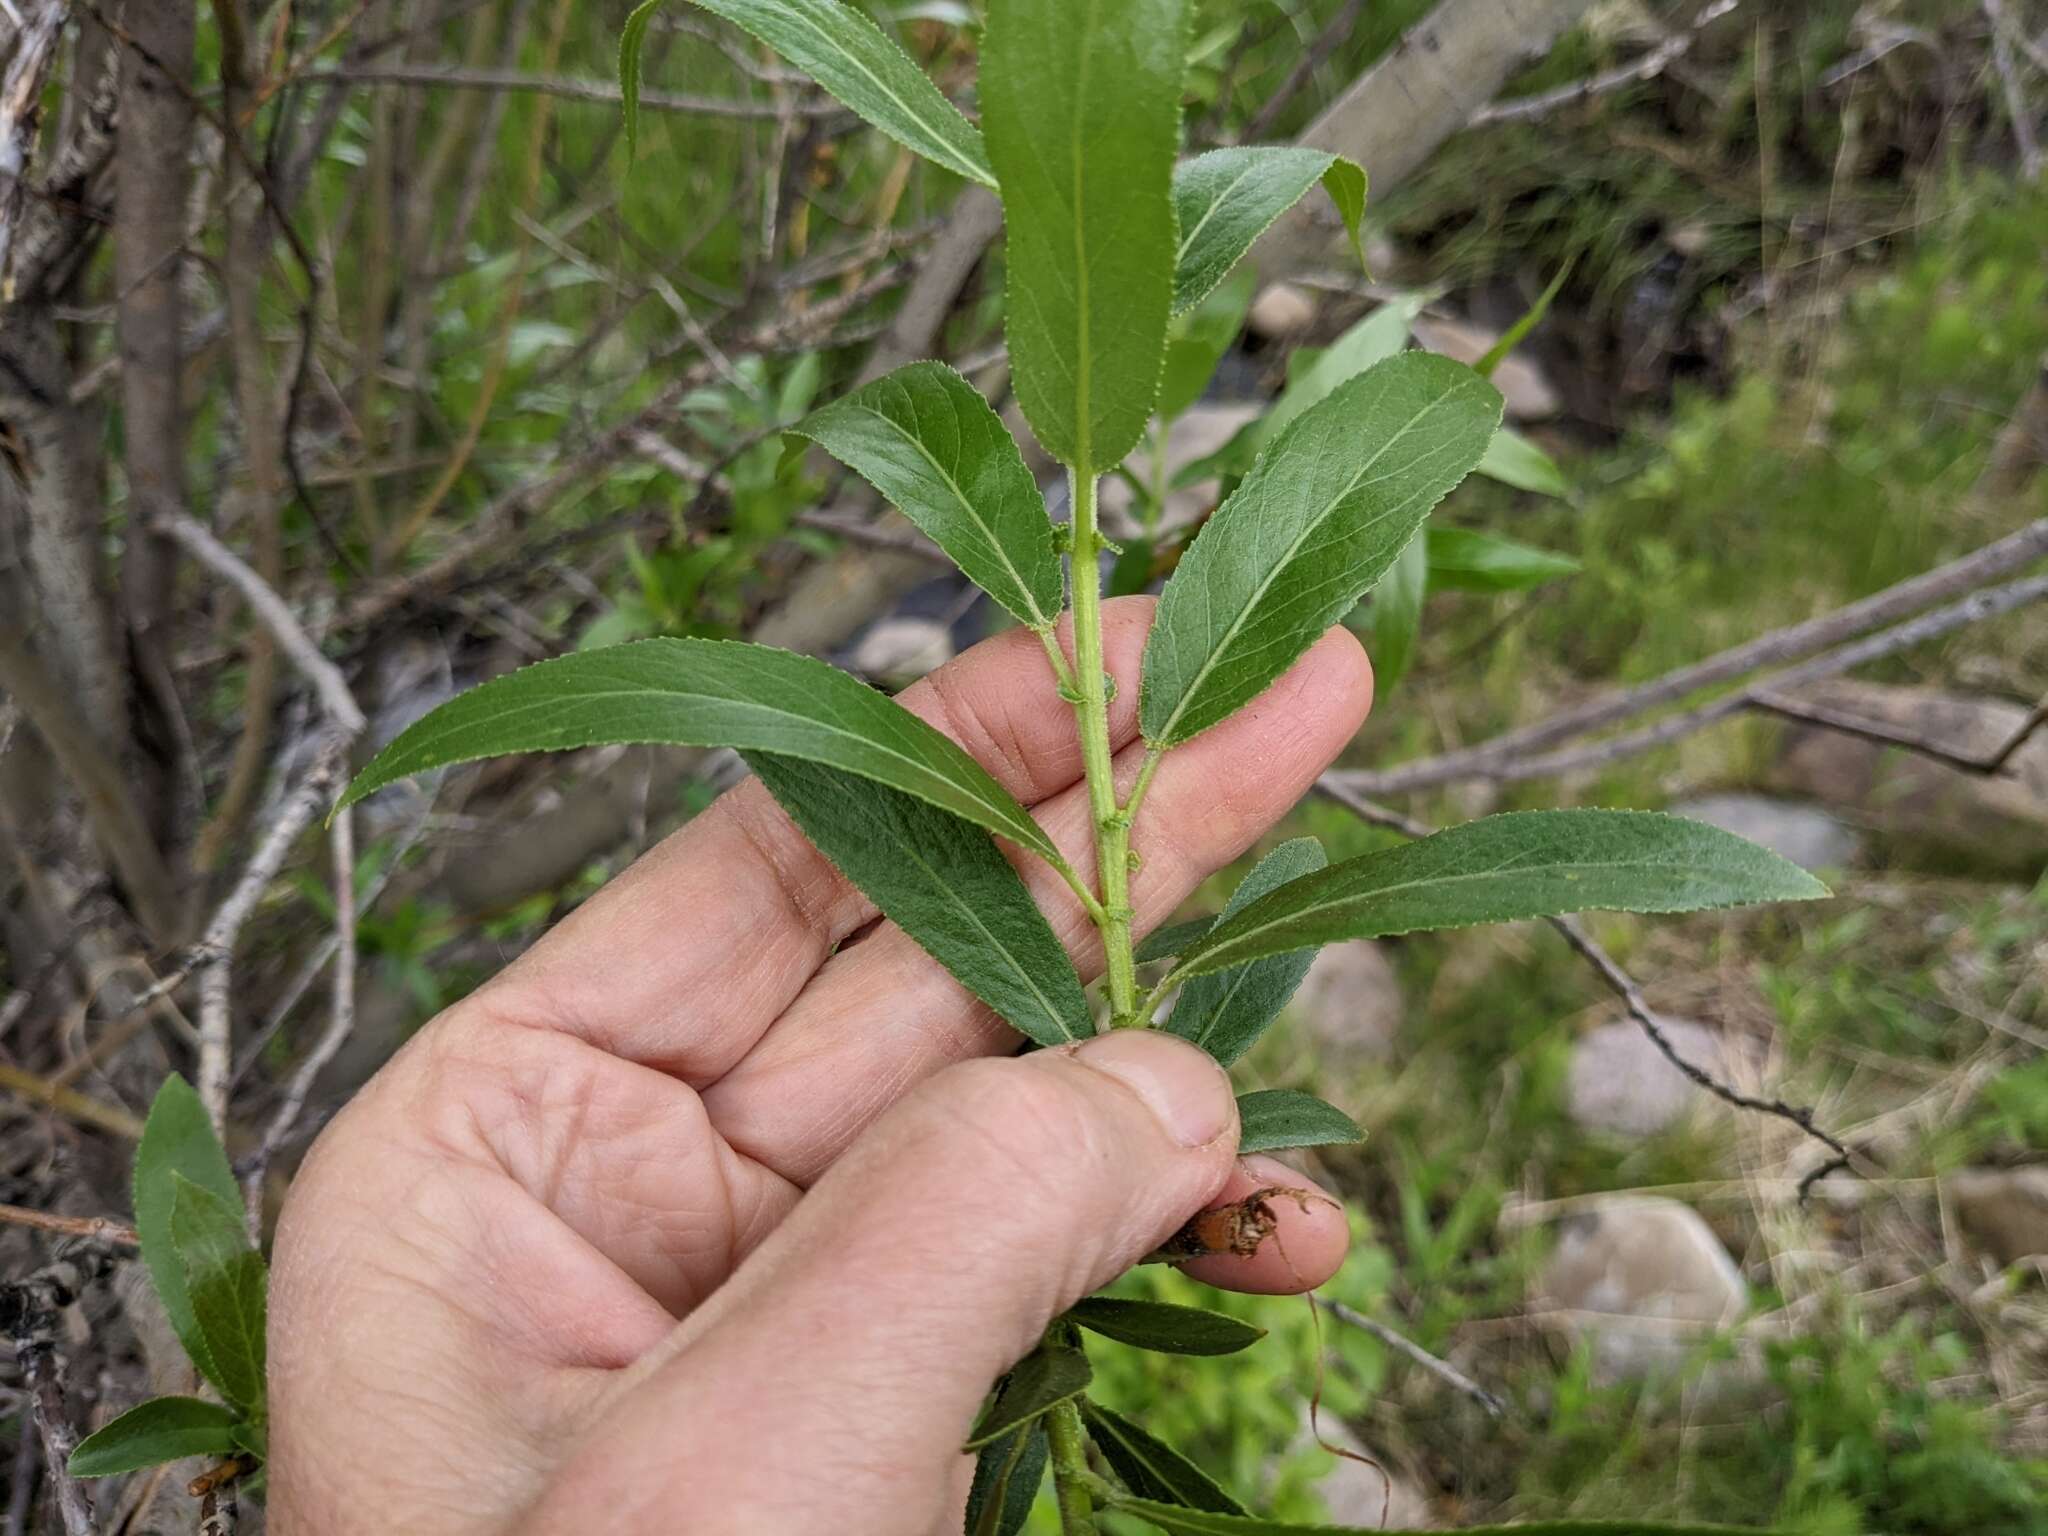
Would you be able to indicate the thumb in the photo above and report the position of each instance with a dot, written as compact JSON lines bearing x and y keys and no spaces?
{"x":829,"y":1383}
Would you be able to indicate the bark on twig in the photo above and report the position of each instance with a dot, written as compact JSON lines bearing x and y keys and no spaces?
{"x":29,"y":1313}
{"x":1648,"y":67}
{"x":1442,"y":1370}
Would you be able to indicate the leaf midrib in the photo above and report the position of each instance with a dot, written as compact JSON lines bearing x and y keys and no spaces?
{"x":1039,"y":618}
{"x":1237,"y":941}
{"x":967,"y":168}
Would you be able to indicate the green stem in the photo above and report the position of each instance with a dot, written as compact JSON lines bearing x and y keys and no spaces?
{"x":1072,"y":1482}
{"x":1091,"y":710}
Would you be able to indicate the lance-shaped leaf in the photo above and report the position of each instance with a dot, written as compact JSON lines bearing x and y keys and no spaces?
{"x":849,"y":56}
{"x":1164,"y":1328}
{"x":945,"y":884}
{"x":1007,"y":1473}
{"x":1046,"y":1377}
{"x":1464,"y":560}
{"x":177,"y":1142}
{"x":926,"y":439}
{"x":632,"y":39}
{"x":1198,"y":341}
{"x":1513,"y":460}
{"x":1520,"y":865}
{"x":1225,"y":1013}
{"x":1226,"y":199}
{"x":226,"y":1280}
{"x":1179,"y":1521}
{"x":1150,"y":1468}
{"x":162,"y":1429}
{"x":1397,"y":615}
{"x":1321,"y":516}
{"x":707,"y":693}
{"x":1379,"y":336}
{"x":1280,"y":1117}
{"x":1080,"y":100}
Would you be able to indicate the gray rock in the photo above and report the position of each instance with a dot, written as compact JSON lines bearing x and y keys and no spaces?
{"x":1198,"y":432}
{"x":1806,"y":834}
{"x":1621,"y":1084}
{"x":1349,"y":1005}
{"x":1644,"y":1281}
{"x":1281,"y":311}
{"x":902,"y":649}
{"x":2002,"y":1211}
{"x":1530,"y":396}
{"x":1921,"y":808}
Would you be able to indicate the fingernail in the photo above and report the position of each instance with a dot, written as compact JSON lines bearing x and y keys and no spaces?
{"x":1183,"y":1086}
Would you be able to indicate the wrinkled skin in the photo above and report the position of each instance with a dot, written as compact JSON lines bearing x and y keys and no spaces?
{"x":720,"y":1208}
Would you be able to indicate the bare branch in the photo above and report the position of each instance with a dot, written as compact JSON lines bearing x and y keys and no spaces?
{"x":2017,"y":107}
{"x":116,"y":819}
{"x":21,"y":100}
{"x":1811,"y":712}
{"x":335,"y":698}
{"x":1648,"y":67}
{"x":29,"y":1311}
{"x":1498,"y":757}
{"x":94,"y":1228}
{"x":341,"y":1019}
{"x":1442,"y":1370}
{"x":604,"y":91}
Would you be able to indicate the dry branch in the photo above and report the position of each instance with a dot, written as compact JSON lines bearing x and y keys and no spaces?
{"x":603,"y":91}
{"x":1507,"y":757}
{"x":1442,"y":1370}
{"x":1648,"y":67}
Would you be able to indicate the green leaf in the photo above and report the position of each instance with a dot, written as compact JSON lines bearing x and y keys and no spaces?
{"x":227,"y":1281}
{"x":945,"y":884}
{"x":1397,"y":615}
{"x":1531,"y":318}
{"x":1224,"y":200}
{"x":633,"y":38}
{"x":1520,"y":865}
{"x":925,"y":438}
{"x":1080,"y":100}
{"x":1163,"y":1327}
{"x":1007,"y":1473}
{"x":1046,"y":1377}
{"x":177,"y":1141}
{"x":1280,"y":1117}
{"x":707,"y":693}
{"x":1198,"y":341}
{"x":1165,"y":943}
{"x":1379,"y":336}
{"x":1513,"y":460}
{"x":1150,"y":1468}
{"x":162,"y":1429}
{"x":849,"y":56}
{"x":1225,"y":1013}
{"x":1323,"y":513}
{"x":1462,"y":560}
{"x":1179,"y":1521}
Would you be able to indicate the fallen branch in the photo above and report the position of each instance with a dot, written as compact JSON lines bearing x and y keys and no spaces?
{"x":1808,"y":712}
{"x":1505,"y":757}
{"x":1652,"y":64}
{"x":1443,"y":1370}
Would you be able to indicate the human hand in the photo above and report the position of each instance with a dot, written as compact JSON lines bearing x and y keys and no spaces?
{"x":722,"y":1207}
